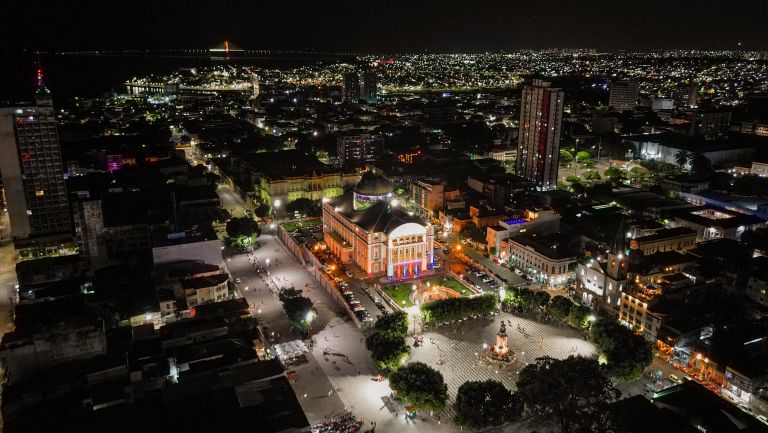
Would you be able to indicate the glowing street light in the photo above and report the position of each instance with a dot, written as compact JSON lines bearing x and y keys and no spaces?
{"x":591,"y":318}
{"x":310,"y":316}
{"x":267,"y":261}
{"x":502,"y":294}
{"x":278,"y":203}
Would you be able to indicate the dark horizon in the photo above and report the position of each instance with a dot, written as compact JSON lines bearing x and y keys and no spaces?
{"x":389,"y":27}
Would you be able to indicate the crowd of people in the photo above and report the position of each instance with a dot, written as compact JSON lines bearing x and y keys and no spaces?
{"x":346,"y":423}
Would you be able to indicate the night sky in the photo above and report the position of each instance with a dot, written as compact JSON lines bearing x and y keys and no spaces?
{"x":386,"y":26}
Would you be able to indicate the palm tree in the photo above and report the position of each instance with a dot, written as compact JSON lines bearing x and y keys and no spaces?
{"x":682,"y":158}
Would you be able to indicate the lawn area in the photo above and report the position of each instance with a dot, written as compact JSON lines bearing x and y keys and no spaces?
{"x":399,"y":292}
{"x":451,"y":284}
{"x":291,"y":227}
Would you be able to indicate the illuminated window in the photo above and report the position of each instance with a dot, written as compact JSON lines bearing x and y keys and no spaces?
{"x":39,"y":193}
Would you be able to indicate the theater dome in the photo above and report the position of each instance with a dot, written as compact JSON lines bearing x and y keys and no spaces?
{"x":373,"y":187}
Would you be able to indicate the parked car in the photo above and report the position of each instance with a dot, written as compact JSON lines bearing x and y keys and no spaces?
{"x":435,"y":265}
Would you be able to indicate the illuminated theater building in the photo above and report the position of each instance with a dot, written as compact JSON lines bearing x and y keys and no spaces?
{"x":363,"y":227}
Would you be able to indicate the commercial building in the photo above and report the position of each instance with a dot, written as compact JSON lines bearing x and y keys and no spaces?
{"x":202,"y":290}
{"x":428,"y":197}
{"x":200,"y":244}
{"x":364,"y":228}
{"x":33,"y":176}
{"x":351,"y":90}
{"x":547,"y":258}
{"x":666,"y":146}
{"x":503,"y":154}
{"x":538,"y":145}
{"x":757,"y":287}
{"x":674,"y":239}
{"x":369,"y":91}
{"x":355,"y":147}
{"x":623,"y":95}
{"x":711,"y":123}
{"x":541,"y":221}
{"x":714,"y":223}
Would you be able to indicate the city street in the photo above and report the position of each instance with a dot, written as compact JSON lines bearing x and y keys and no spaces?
{"x":7,"y":274}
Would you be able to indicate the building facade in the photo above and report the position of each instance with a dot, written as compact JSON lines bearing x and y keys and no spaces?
{"x":369,"y":91}
{"x":364,"y":228}
{"x":33,"y":176}
{"x":537,"y":257}
{"x":355,"y":148}
{"x":428,"y":197}
{"x":623,"y":95}
{"x":351,"y":89}
{"x":674,"y":239}
{"x":314,"y":186}
{"x":538,"y":144}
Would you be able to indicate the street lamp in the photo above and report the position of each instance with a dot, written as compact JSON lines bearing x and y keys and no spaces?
{"x":591,"y":318}
{"x":502,"y":294}
{"x":310,"y":316}
{"x":267,"y":261}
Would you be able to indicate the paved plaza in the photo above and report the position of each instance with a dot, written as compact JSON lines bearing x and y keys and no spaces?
{"x":457,"y":350}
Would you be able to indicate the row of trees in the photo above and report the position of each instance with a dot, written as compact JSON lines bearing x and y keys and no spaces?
{"x":558,"y":308}
{"x":387,"y":341}
{"x":625,"y":353}
{"x":452,"y":309}
{"x":298,"y":308}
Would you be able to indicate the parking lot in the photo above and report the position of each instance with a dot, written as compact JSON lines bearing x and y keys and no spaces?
{"x":360,"y":294}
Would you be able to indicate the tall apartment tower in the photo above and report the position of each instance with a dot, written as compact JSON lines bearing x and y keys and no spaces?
{"x":538,"y":143}
{"x":369,"y":91}
{"x":351,"y":91}
{"x":623,"y":95}
{"x":31,"y":168}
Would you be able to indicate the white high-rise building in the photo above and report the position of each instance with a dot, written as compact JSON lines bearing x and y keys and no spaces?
{"x":538,"y":144}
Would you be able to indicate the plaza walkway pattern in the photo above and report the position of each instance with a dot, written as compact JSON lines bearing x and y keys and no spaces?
{"x":451,"y":349}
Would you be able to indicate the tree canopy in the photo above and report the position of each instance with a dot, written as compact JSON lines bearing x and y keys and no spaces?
{"x":615,"y":174}
{"x":242,"y":231}
{"x":387,"y":342}
{"x":487,"y":403}
{"x":304,"y":206}
{"x":625,"y":353}
{"x":450,"y":309}
{"x":574,"y":393}
{"x":471,"y":231}
{"x":420,"y":385}
{"x":243,"y":226}
{"x":559,"y":307}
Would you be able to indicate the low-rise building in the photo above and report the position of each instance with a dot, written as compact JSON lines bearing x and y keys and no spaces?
{"x":548,"y":258}
{"x":199,"y":244}
{"x":673,"y":239}
{"x":714,"y":223}
{"x":541,"y":221}
{"x":202,"y":290}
